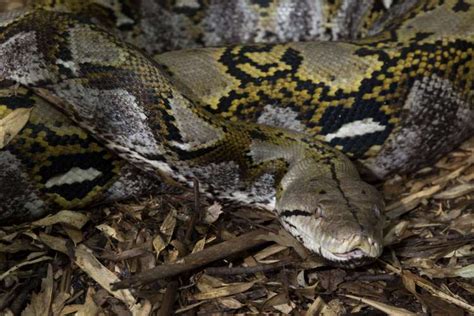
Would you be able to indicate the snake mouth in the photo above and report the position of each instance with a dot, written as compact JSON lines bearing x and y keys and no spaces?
{"x":354,"y":254}
{"x":352,"y":258}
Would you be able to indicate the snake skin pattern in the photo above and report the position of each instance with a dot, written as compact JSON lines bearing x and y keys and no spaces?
{"x":268,"y":119}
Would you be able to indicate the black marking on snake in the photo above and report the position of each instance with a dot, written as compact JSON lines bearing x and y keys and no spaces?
{"x":257,"y":134}
{"x":233,"y":60}
{"x":14,"y":102}
{"x":54,"y":139}
{"x":193,"y":154}
{"x":461,"y":6}
{"x":63,"y":164}
{"x":350,"y":207}
{"x":290,"y":213}
{"x":420,"y":36}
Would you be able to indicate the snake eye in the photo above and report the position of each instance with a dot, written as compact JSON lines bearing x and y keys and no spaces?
{"x":318,"y":212}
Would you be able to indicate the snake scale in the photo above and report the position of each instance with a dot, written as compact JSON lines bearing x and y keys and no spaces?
{"x":272,"y":115}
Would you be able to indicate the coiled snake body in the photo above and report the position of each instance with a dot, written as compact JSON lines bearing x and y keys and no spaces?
{"x":99,"y":120}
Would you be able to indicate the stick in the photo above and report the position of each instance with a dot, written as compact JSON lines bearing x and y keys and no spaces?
{"x":196,"y":260}
{"x":196,"y":212}
{"x":169,"y":299}
{"x":248,"y":270}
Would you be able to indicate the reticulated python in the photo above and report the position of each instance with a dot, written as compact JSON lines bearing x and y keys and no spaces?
{"x":103,"y":119}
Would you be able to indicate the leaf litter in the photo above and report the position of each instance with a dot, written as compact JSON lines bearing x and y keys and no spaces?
{"x":241,"y":261}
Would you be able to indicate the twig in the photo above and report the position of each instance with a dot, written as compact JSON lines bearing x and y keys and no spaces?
{"x":248,"y":270}
{"x":196,"y":213}
{"x":169,"y":299}
{"x":196,"y":260}
{"x":371,"y":277}
{"x":124,"y":255}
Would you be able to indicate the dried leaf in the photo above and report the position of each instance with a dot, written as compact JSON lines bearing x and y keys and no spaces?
{"x":12,"y":124}
{"x":206,"y":283}
{"x":466,"y":272}
{"x":394,"y":234}
{"x":287,"y":240}
{"x":319,"y":307}
{"x":410,"y":202}
{"x":89,"y":307}
{"x":199,"y":245}
{"x":55,"y":243}
{"x":74,"y":233}
{"x":456,"y":191}
{"x":388,"y":309}
{"x":71,"y":218}
{"x":286,"y":309}
{"x":90,"y":265}
{"x":230,"y":289}
{"x":230,"y":303}
{"x":141,"y":309}
{"x":111,"y":232}
{"x":167,"y":230}
{"x":464,"y":224}
{"x":59,"y":302}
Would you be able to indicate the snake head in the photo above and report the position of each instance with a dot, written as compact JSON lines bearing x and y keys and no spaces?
{"x":341,"y":220}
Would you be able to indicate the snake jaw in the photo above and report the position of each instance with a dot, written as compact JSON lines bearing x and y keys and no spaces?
{"x":364,"y":249}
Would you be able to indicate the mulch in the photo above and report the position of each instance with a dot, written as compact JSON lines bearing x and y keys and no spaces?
{"x":179,"y":253}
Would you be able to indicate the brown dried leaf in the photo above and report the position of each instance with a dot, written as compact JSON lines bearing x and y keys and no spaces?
{"x":103,"y":276}
{"x":74,"y":233}
{"x":111,"y":232}
{"x":230,"y":303}
{"x":71,"y":218}
{"x":199,"y":245}
{"x":166,"y":229}
{"x":55,"y":243}
{"x":464,"y":224}
{"x":59,"y":302}
{"x":269,"y":251}
{"x":285,"y":239}
{"x":141,"y":309}
{"x":388,"y":309}
{"x":456,"y":191}
{"x":230,"y":289}
{"x":206,"y":283}
{"x":89,"y":307}
{"x":319,"y":307}
{"x":408,"y":203}
{"x":395,"y":233}
{"x":12,"y":124}
{"x":466,"y":272}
